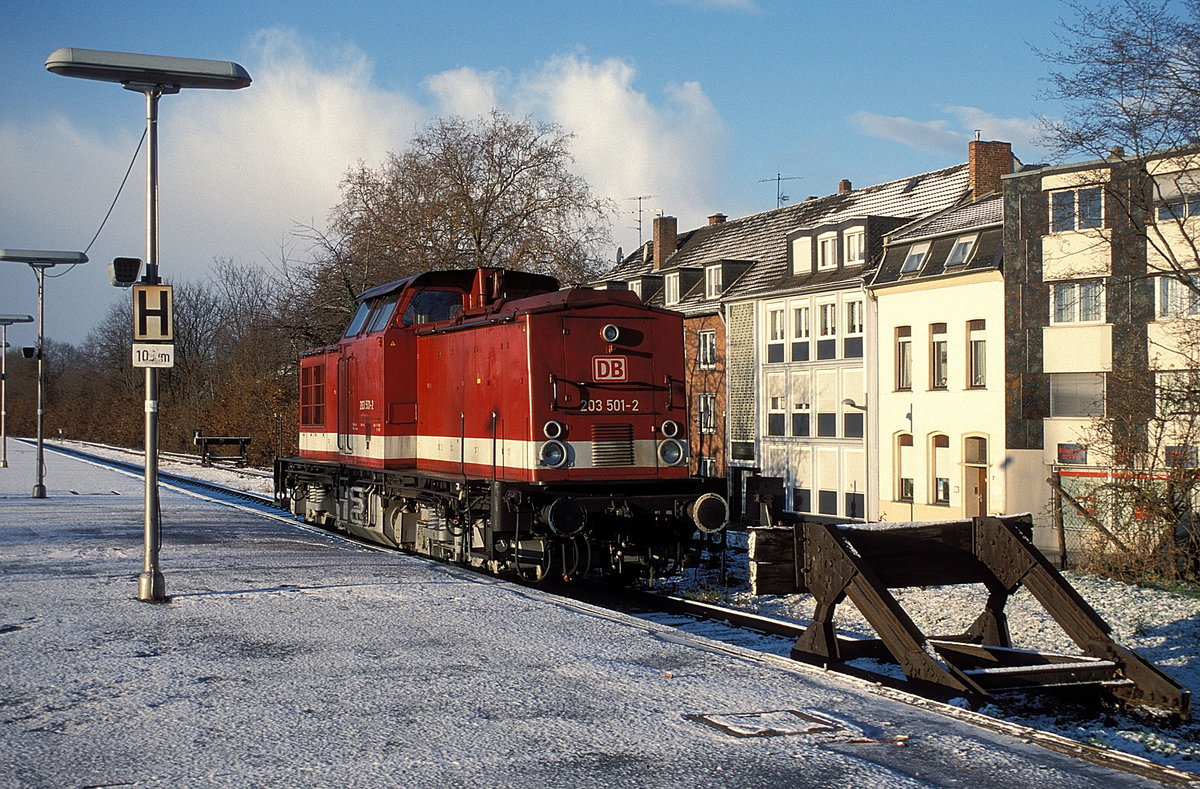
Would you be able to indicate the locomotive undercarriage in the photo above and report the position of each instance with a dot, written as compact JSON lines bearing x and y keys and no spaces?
{"x":531,"y":531}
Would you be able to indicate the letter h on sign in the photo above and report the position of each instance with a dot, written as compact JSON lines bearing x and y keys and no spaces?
{"x":152,"y":313}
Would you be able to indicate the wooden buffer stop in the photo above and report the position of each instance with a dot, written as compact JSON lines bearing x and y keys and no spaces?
{"x":863,"y":562}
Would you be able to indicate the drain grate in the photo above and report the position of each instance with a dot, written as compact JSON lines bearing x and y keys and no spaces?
{"x":778,"y":723}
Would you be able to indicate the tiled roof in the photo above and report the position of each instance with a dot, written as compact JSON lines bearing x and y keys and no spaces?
{"x":942,"y":230}
{"x":762,"y":237}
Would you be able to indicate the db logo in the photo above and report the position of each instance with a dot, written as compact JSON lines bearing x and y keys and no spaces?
{"x":610,"y":368}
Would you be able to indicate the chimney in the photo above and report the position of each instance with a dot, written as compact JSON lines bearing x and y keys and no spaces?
{"x":988,"y":161}
{"x":665,"y":234}
{"x":844,"y":186}
{"x":717,"y":219}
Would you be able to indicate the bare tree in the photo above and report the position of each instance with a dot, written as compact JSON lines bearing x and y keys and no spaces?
{"x":486,"y":191}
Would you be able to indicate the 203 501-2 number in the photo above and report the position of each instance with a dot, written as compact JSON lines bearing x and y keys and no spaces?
{"x":610,"y":406}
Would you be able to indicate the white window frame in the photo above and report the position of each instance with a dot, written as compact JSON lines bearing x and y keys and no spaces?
{"x":713,"y":284}
{"x":855,"y":243}
{"x":855,"y":317}
{"x":827,"y":251}
{"x":1064,"y":209}
{"x":706,"y":349}
{"x":635,"y":285}
{"x":960,"y":252}
{"x":904,"y":360}
{"x":827,"y":317}
{"x":915,"y":258}
{"x":706,"y":413}
{"x":977,"y":356}
{"x":939,"y":359}
{"x":671,"y":288}
{"x":1067,"y":301}
{"x":801,"y":322}
{"x":776,"y":323}
{"x":1173,"y":299}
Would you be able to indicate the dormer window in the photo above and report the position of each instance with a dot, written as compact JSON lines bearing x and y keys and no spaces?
{"x":856,"y":247}
{"x":961,"y":251}
{"x":713,"y":282}
{"x":914,"y":259}
{"x":671,"y":288}
{"x":635,"y":285}
{"x":827,"y":251}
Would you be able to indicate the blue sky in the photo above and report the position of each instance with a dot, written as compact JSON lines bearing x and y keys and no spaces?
{"x":695,"y":102}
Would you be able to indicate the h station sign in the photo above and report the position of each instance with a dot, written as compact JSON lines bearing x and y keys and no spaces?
{"x":153,"y":326}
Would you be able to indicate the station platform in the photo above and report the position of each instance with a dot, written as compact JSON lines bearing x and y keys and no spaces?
{"x":285,"y":658}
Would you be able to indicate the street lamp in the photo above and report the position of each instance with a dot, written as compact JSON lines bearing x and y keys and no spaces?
{"x":39,"y":260}
{"x":5,"y":322}
{"x":154,"y":76}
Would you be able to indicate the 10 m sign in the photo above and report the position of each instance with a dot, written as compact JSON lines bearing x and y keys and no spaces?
{"x":154,"y":354}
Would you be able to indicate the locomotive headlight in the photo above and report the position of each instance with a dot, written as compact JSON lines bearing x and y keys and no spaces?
{"x":671,"y":428}
{"x":672,"y":452}
{"x":610,"y":332}
{"x":553,"y":454}
{"x":554,"y":429}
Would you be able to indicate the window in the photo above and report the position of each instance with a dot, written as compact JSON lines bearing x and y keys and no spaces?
{"x":903,"y":358}
{"x":939,"y":361}
{"x":712,"y":282}
{"x":976,"y":355}
{"x":940,"y":462}
{"x":914,"y":259}
{"x":854,"y":317}
{"x":776,"y":331}
{"x":904,"y":461}
{"x":827,"y":251}
{"x":1077,"y":394}
{"x":828,"y":320}
{"x":381,"y":315}
{"x":707,"y":467}
{"x":1077,"y":302}
{"x":1179,"y":208}
{"x":856,"y":247}
{"x":961,"y":251}
{"x":801,"y":395}
{"x":1076,"y":209}
{"x":706,"y":410}
{"x":706,"y":349}
{"x":776,"y":404}
{"x":671,"y":289}
{"x":1178,"y":393}
{"x":312,"y":395}
{"x":800,"y":325}
{"x":428,"y":306}
{"x":360,"y":317}
{"x":1176,"y":299}
{"x":635,"y":285}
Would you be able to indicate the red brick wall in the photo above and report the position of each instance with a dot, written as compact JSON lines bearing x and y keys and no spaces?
{"x":709,"y":444}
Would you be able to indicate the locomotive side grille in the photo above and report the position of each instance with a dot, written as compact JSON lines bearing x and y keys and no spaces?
{"x":612,"y":445}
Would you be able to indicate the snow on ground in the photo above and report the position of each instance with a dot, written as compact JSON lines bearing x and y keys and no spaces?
{"x":1163,"y":626}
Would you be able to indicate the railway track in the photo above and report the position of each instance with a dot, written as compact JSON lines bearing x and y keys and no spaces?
{"x":742,"y":629}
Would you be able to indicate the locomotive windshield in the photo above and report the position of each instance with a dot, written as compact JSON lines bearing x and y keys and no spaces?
{"x":381,"y":315}
{"x":360,"y":317}
{"x":428,"y":306}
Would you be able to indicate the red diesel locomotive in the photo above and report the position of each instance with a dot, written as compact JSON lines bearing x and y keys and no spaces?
{"x":487,"y":417}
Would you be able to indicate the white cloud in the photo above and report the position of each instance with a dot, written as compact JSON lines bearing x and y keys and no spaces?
{"x":239,"y":169}
{"x":947,"y":137}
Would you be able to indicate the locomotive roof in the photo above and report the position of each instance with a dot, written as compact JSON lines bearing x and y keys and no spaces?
{"x":462,"y":279}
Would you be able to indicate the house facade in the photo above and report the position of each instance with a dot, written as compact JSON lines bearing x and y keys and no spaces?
{"x":1101,"y":274}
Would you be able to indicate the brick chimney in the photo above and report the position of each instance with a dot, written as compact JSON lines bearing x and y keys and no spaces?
{"x":988,"y":161}
{"x":665,"y":233}
{"x":716,"y":219}
{"x":844,"y":186}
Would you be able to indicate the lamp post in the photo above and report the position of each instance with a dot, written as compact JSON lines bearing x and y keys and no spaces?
{"x":5,"y":322}
{"x":39,"y":260}
{"x":154,"y":76}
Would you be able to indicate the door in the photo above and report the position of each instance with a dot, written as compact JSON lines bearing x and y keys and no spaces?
{"x":976,"y":499}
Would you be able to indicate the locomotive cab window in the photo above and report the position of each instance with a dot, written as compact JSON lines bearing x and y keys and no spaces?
{"x":430,"y":306}
{"x":381,"y":315}
{"x":360,"y":317}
